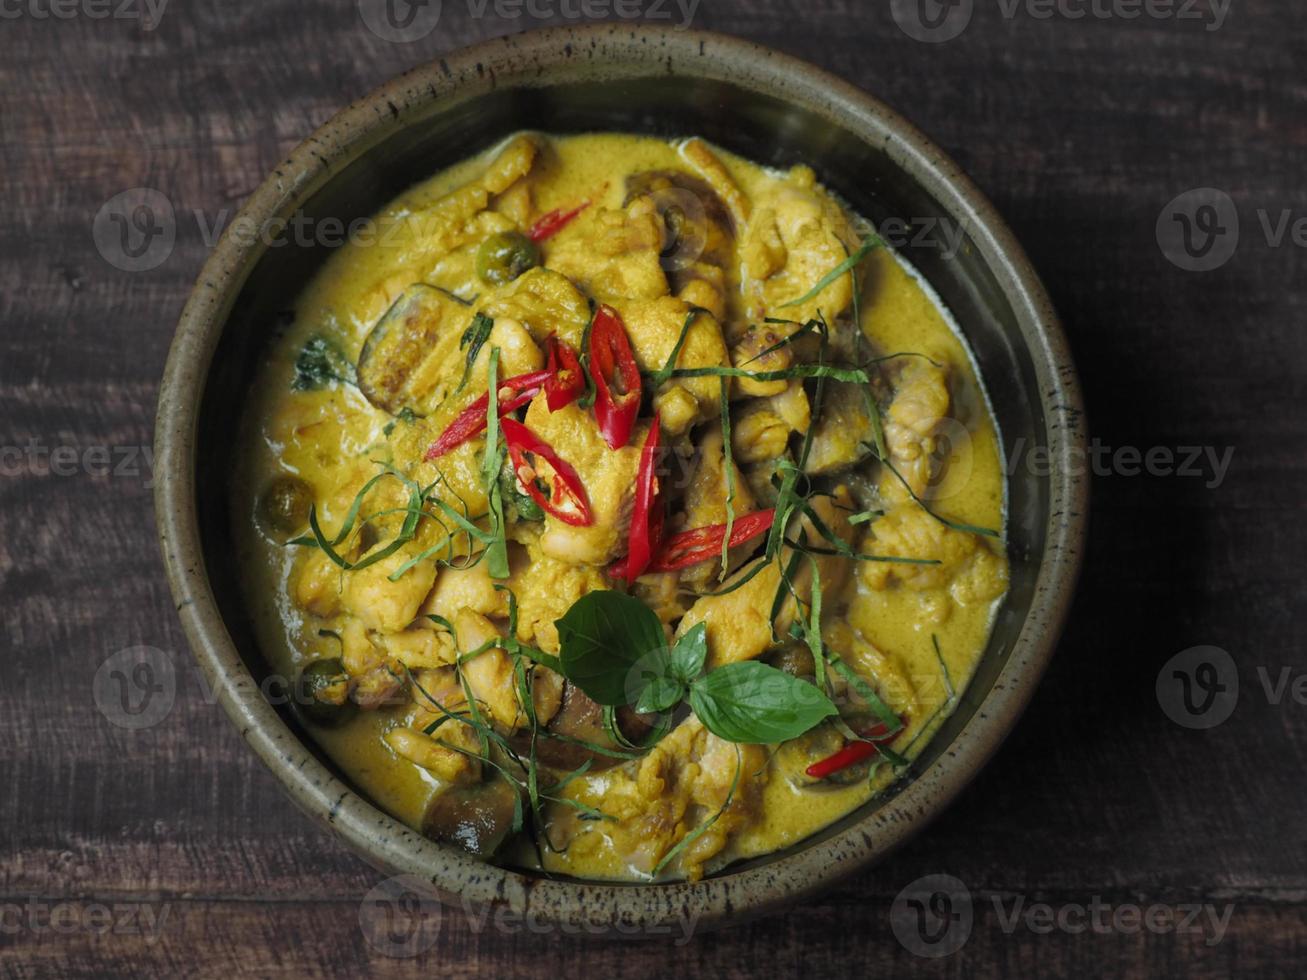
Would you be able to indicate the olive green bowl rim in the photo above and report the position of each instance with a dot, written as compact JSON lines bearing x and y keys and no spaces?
{"x":605,"y":51}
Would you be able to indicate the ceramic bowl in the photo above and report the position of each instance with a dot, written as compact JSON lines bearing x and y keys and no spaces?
{"x":759,"y":103}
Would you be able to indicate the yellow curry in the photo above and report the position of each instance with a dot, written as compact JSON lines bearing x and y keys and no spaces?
{"x":620,"y":508}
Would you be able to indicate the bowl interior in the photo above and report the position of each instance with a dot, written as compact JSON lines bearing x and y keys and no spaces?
{"x":764,"y":128}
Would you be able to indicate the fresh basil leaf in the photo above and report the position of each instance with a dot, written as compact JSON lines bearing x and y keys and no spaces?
{"x":662,"y":693}
{"x":757,"y":704}
{"x":603,"y":637}
{"x":689,"y":654}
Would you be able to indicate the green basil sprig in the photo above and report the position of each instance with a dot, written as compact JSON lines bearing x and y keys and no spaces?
{"x":613,"y":648}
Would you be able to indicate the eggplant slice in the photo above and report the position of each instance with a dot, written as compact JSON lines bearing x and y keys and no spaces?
{"x":405,"y":358}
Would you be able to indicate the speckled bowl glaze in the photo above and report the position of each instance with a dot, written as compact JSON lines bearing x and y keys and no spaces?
{"x":759,"y":103}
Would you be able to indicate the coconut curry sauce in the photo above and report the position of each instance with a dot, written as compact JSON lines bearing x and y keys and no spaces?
{"x":699,"y":572}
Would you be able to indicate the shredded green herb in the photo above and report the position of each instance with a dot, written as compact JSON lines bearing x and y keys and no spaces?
{"x":474,"y":338}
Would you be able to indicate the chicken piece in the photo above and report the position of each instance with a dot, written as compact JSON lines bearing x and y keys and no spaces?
{"x":888,"y":676}
{"x":965,"y":561}
{"x":698,"y":234}
{"x":654,"y":327}
{"x":762,"y":428}
{"x":317,"y":585}
{"x":738,"y":627}
{"x":491,"y":680}
{"x":450,"y":221}
{"x":420,"y":647}
{"x":489,"y":675}
{"x":753,"y":352}
{"x":376,"y":680}
{"x":706,"y":163}
{"x":545,"y":590}
{"x":381,"y":604}
{"x":609,"y":478}
{"x":444,"y":761}
{"x":620,"y":260}
{"x":465,"y":588}
{"x":437,"y":241}
{"x":544,"y":302}
{"x":983,"y":580}
{"x":916,"y":414}
{"x":795,"y":237}
{"x":683,"y":781}
{"x":843,"y":430}
{"x":516,"y":204}
{"x":705,"y":503}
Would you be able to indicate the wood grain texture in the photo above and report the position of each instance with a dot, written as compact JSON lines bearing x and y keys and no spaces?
{"x":1080,"y":131}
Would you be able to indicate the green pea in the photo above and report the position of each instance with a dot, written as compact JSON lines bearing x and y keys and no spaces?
{"x":322,"y":692}
{"x":504,"y":256}
{"x":285,"y":502}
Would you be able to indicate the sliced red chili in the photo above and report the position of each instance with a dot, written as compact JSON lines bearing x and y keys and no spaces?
{"x":534,"y":461}
{"x":704,"y":543}
{"x":647,"y":518}
{"x":616,"y":377}
{"x":472,"y":419}
{"x":851,"y":754}
{"x":566,"y":382}
{"x":548,"y":225}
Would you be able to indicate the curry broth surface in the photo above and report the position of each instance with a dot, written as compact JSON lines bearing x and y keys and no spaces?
{"x":317,"y":435}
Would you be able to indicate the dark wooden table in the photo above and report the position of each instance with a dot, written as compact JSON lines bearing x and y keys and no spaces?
{"x":171,"y":851}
